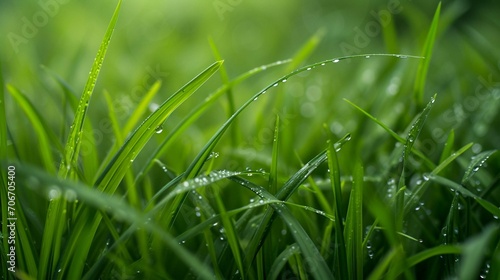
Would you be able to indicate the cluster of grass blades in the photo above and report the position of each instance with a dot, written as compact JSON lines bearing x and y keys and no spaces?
{"x":104,"y":221}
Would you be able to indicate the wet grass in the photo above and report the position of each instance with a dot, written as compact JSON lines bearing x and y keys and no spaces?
{"x":355,"y":179}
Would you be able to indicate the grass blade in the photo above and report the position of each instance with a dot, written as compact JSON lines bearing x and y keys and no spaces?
{"x":44,"y":135}
{"x":423,"y":67}
{"x":114,"y":172}
{"x":474,"y":251}
{"x":476,"y":163}
{"x":341,"y":260}
{"x":488,"y":206}
{"x":400,"y":139}
{"x":316,"y":263}
{"x":115,"y":206}
{"x":354,"y":226}
{"x":72,"y":148}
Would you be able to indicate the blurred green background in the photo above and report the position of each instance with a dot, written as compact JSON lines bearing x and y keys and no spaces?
{"x":169,"y":40}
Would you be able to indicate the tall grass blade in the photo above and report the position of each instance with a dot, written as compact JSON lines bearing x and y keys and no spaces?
{"x":341,"y":259}
{"x":114,"y":206}
{"x":281,"y":261}
{"x":474,"y":252}
{"x":423,"y":67}
{"x":488,"y":206}
{"x":196,"y":113}
{"x":354,"y":226}
{"x":400,"y":139}
{"x":315,"y":262}
{"x":114,"y":172}
{"x":44,"y":135}
{"x":72,"y":148}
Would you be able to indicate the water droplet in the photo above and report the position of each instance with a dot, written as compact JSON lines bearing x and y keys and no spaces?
{"x":323,"y":64}
{"x":309,"y":68}
{"x":335,"y":60}
{"x":367,"y":56}
{"x":284,"y":80}
{"x":275,"y":85}
{"x":159,"y":129}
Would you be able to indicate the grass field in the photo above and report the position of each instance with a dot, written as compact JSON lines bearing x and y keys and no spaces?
{"x":250,"y":140}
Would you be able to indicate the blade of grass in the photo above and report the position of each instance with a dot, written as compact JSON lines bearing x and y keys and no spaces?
{"x":317,"y":265}
{"x":423,"y":67}
{"x":44,"y":135}
{"x":115,"y":206}
{"x":488,"y":206}
{"x":114,"y":172}
{"x":281,"y":261}
{"x":229,"y":92}
{"x":354,"y":226}
{"x":196,"y":113}
{"x":474,"y":252}
{"x":476,"y":163}
{"x":341,"y":260}
{"x":72,"y":148}
{"x":400,"y":139}
{"x":141,"y":108}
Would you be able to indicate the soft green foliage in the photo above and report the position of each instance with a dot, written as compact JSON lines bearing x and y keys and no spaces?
{"x":335,"y":169}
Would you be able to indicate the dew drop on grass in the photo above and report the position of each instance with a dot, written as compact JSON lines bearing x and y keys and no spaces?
{"x":367,"y":56}
{"x":275,"y":85}
{"x":335,"y":60}
{"x":284,"y":80}
{"x":309,"y":68}
{"x":159,"y":129}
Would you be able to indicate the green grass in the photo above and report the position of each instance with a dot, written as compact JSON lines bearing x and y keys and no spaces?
{"x":240,"y":179}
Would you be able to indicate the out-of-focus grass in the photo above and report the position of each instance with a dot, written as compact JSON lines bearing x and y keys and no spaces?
{"x":283,"y":178}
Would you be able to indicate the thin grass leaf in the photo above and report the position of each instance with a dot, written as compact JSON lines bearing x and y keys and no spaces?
{"x":115,"y":206}
{"x":474,"y":251}
{"x":476,"y":163}
{"x":114,"y":172}
{"x":488,"y":206}
{"x":200,"y":159}
{"x":284,"y":194}
{"x":423,"y":67}
{"x":430,"y":253}
{"x":341,"y":259}
{"x":354,"y":226}
{"x":231,"y":236}
{"x":400,"y":139}
{"x":72,"y":148}
{"x":141,"y":108}
{"x":448,"y":146}
{"x":273,"y":173}
{"x":44,"y":135}
{"x":317,"y":266}
{"x":281,"y":261}
{"x":229,"y":91}
{"x":419,"y":190}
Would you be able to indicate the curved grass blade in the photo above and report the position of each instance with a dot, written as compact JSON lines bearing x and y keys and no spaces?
{"x":429,"y":253}
{"x":114,"y":172}
{"x":488,"y":206}
{"x":281,"y":260}
{"x":141,"y":108}
{"x":476,"y":163}
{"x":115,"y":206}
{"x":340,"y":258}
{"x":200,"y":159}
{"x":423,"y":67}
{"x":316,"y":263}
{"x":354,"y":226}
{"x":72,"y":148}
{"x":400,"y":139}
{"x":44,"y":135}
{"x":474,"y":251}
{"x":197,"y":112}
{"x":284,"y":194}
